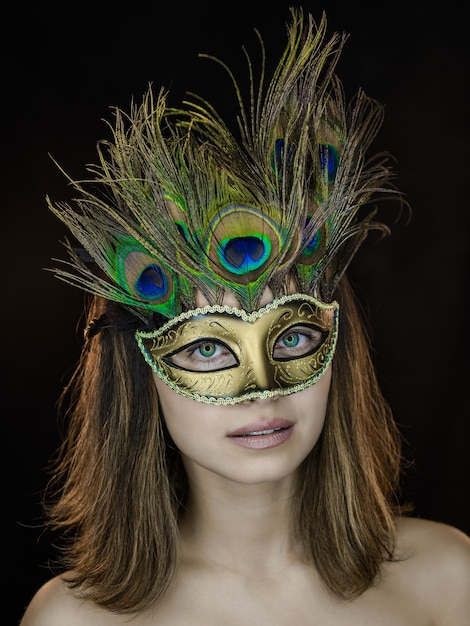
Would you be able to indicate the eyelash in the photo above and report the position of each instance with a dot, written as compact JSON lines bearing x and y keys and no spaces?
{"x":199,"y":345}
{"x":311,"y":336}
{"x":188,"y":355}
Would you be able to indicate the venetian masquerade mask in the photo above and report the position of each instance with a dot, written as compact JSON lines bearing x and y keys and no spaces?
{"x":224,"y":355}
{"x":188,"y":206}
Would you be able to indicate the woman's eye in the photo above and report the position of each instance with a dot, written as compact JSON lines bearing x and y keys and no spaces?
{"x":291,"y":340}
{"x":207,"y":349}
{"x":203,"y":356}
{"x":297,"y":342}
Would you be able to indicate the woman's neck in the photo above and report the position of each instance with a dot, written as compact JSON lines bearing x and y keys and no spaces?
{"x":244,"y":528}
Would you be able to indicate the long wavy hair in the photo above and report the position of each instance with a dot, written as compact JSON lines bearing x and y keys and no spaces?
{"x":118,"y":482}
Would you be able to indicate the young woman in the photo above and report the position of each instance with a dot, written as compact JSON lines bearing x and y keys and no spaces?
{"x":229,"y":456}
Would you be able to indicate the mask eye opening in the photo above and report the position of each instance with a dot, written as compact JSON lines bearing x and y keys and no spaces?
{"x":301,"y":329}
{"x":167,"y":359}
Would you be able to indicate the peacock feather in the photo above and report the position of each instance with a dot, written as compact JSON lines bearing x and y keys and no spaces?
{"x":179,"y":202}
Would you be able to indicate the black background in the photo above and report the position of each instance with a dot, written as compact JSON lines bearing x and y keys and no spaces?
{"x":64,"y":66}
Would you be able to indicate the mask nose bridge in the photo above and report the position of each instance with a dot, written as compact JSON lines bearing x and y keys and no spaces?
{"x":256,"y":347}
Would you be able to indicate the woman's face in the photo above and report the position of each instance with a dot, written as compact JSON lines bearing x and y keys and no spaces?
{"x":255,"y":441}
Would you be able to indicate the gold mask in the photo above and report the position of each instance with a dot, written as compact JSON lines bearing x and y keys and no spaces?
{"x":223,"y":355}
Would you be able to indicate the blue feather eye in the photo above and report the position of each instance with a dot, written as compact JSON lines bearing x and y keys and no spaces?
{"x":244,"y":254}
{"x":314,"y":248}
{"x":314,"y":244}
{"x":279,"y":156}
{"x":151,"y":283}
{"x":243,"y":241}
{"x":329,"y":160}
{"x":148,"y":281}
{"x":183,"y":230}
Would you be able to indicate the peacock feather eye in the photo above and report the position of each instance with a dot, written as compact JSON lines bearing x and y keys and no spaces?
{"x":314,"y":245}
{"x":183,"y":230}
{"x":151,"y":283}
{"x":241,"y":255}
{"x":144,"y":278}
{"x":242,"y":243}
{"x":280,"y":157}
{"x":314,"y":248}
{"x":329,"y":160}
{"x":277,"y":155}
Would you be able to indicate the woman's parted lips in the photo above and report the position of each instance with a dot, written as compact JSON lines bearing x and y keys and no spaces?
{"x":260,"y":427}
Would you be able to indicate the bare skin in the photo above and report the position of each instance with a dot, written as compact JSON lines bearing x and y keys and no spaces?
{"x":238,"y":565}
{"x":430,"y":587}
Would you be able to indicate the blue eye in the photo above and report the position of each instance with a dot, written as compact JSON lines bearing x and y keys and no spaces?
{"x":291,"y":340}
{"x":298,"y":342}
{"x":206,"y":355}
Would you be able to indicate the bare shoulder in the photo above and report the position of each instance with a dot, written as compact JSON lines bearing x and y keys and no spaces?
{"x":51,"y":604}
{"x":55,"y":604}
{"x":428,"y":539}
{"x":436,"y":557}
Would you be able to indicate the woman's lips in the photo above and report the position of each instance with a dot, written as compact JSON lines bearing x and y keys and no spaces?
{"x":261,"y":435}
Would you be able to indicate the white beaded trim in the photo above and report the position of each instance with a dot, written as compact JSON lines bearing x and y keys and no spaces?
{"x":247,"y":317}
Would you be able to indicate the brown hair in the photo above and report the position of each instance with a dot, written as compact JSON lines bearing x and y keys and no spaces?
{"x":348,"y":496}
{"x":119,"y":482}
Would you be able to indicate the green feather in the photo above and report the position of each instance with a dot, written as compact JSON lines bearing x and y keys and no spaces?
{"x":178,"y":202}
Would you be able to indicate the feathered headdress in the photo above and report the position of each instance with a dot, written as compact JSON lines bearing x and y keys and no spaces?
{"x":179,"y":203}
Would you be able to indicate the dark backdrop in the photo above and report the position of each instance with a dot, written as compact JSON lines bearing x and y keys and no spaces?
{"x":62,"y":69}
